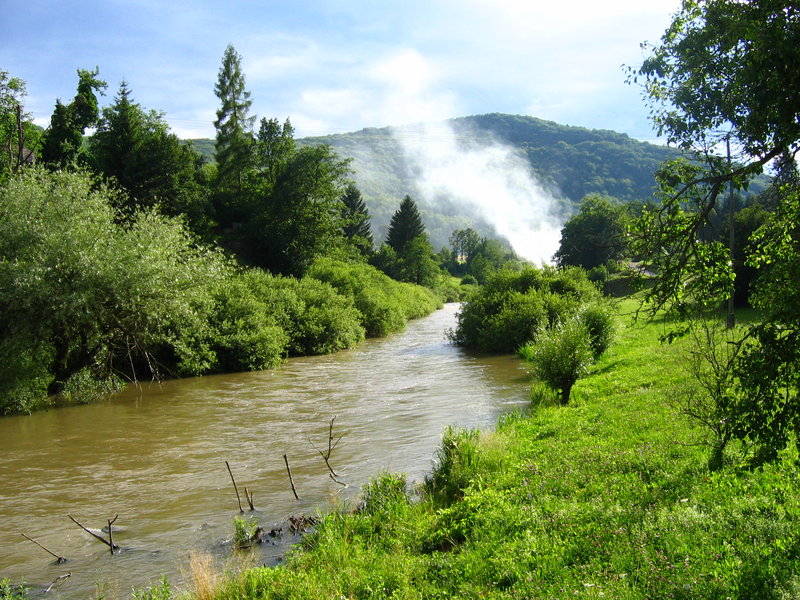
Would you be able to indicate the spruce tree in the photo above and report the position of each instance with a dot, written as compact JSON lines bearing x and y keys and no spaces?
{"x":406,"y":224}
{"x":234,"y":142}
{"x":356,"y":217}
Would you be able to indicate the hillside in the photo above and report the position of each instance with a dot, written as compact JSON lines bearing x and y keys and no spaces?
{"x":568,"y":162}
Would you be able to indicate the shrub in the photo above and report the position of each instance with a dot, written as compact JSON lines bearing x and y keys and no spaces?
{"x":560,"y":356}
{"x":513,"y":306}
{"x":385,"y":304}
{"x":600,"y":325}
{"x":247,"y":335}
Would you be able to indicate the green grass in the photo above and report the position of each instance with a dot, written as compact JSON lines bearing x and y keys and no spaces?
{"x":609,"y":497}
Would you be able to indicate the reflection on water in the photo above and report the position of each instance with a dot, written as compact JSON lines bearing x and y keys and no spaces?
{"x":155,"y":454}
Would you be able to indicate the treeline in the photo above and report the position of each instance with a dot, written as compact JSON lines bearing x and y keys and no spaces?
{"x":125,"y":255}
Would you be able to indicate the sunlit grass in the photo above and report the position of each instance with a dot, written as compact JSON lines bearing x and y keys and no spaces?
{"x":609,"y":497}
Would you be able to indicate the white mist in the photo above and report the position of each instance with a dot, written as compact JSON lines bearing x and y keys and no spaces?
{"x":489,"y":181}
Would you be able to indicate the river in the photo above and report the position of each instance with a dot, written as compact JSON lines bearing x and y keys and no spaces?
{"x":155,"y":454}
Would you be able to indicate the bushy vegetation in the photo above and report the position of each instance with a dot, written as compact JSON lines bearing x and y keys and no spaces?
{"x":513,"y":307}
{"x":88,"y":297}
{"x":385,"y":304}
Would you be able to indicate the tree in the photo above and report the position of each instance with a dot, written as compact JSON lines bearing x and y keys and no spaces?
{"x":136,"y":148}
{"x":234,"y":140}
{"x":464,"y":244}
{"x":274,"y":147}
{"x":63,"y":140}
{"x":15,"y":129}
{"x":406,"y":224}
{"x":80,"y":291}
{"x":723,"y":72}
{"x":300,"y":219}
{"x":418,"y":264}
{"x":356,"y":220}
{"x":593,"y":237}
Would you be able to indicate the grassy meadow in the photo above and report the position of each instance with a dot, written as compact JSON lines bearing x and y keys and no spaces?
{"x":609,"y":497}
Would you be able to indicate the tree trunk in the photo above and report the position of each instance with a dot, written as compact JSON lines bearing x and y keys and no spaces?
{"x":565,"y":392}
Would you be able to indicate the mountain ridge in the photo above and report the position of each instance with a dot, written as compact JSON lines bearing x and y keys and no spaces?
{"x":568,"y":161}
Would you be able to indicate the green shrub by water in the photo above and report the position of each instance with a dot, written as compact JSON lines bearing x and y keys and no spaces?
{"x":513,"y":307}
{"x":385,"y":304}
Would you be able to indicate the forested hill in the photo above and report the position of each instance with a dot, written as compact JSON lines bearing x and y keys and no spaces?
{"x":570,"y":161}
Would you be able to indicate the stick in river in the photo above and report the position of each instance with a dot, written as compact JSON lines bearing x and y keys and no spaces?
{"x":291,"y":479}
{"x":236,"y":489}
{"x":94,"y":535}
{"x":59,"y":559}
{"x":110,"y":535}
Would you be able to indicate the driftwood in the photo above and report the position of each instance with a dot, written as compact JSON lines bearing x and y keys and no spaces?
{"x":59,"y":559}
{"x":110,"y":543}
{"x":235,"y":489}
{"x":58,"y":580}
{"x":291,"y":479}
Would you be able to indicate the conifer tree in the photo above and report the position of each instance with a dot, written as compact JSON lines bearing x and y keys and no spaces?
{"x":406,"y":224}
{"x":234,"y":142}
{"x":357,"y":220}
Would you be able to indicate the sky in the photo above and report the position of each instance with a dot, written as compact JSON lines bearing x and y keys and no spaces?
{"x":334,"y":66}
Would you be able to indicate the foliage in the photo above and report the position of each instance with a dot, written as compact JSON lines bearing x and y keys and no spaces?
{"x":63,"y":140}
{"x":595,"y":236}
{"x":83,"y":290}
{"x":384,"y":304}
{"x":15,"y":130}
{"x":561,"y":355}
{"x":356,"y":220}
{"x":136,"y":149}
{"x":300,"y":219}
{"x":744,"y":95}
{"x":513,"y":307}
{"x":454,"y":467}
{"x":8,"y":591}
{"x":599,"y":323}
{"x":246,"y":332}
{"x":719,"y":74}
{"x":383,"y":492}
{"x":417,"y":264}
{"x":244,"y":531}
{"x":405,"y":226}
{"x":234,"y":140}
{"x":161,"y":591}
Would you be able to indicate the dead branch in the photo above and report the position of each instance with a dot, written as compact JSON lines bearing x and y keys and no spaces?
{"x":60,"y":579}
{"x":96,"y":536}
{"x":291,"y":479}
{"x":331,"y":447}
{"x":110,"y":534}
{"x":249,"y":495}
{"x":59,"y":559}
{"x":236,"y":489}
{"x":341,"y":483}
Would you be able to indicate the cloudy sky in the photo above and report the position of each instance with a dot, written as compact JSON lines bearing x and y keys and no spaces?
{"x":340,"y":65}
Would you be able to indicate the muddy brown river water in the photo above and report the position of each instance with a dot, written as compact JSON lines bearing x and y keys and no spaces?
{"x":155,"y":455}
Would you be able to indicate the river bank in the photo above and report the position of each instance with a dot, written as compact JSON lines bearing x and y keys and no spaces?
{"x":608,"y":497}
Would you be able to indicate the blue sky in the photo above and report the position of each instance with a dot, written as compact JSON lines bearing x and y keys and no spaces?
{"x":340,"y":65}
